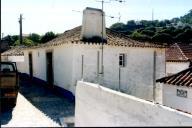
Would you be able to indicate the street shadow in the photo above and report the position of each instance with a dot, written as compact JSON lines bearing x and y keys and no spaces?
{"x":47,"y":101}
{"x":6,"y":114}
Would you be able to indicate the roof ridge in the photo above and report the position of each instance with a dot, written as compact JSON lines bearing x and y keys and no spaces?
{"x":73,"y":36}
{"x":181,"y":51}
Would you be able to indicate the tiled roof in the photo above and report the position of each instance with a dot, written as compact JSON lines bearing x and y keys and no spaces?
{"x":113,"y":38}
{"x":179,"y":52}
{"x":186,"y":49}
{"x":183,"y":78}
{"x":16,"y":51}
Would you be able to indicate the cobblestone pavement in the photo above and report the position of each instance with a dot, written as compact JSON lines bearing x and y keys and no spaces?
{"x":39,"y":106}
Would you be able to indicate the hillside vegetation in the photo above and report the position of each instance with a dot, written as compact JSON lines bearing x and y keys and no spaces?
{"x":165,"y":31}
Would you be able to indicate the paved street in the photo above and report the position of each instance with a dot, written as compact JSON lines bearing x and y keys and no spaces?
{"x":39,"y":106}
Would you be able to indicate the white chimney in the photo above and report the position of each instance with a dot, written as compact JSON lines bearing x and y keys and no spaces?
{"x":91,"y":30}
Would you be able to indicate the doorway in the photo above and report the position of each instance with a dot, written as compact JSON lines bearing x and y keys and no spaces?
{"x":49,"y":66}
{"x":30,"y":66}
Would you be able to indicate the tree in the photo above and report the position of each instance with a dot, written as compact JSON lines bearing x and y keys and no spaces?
{"x":137,"y":36}
{"x":147,"y":33}
{"x":11,"y":39}
{"x":131,"y":23}
{"x":118,"y":26}
{"x":162,"y":38}
{"x":169,"y":31}
{"x":47,"y":37}
{"x":34,"y":37}
{"x":178,"y":31}
{"x":185,"y":36}
{"x":26,"y":42}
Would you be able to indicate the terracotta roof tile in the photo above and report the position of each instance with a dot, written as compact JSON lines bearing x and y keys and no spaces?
{"x":16,"y":51}
{"x":113,"y":38}
{"x":179,"y":52}
{"x":183,"y":78}
{"x":186,"y":49}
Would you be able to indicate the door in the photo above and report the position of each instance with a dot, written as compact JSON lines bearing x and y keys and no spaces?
{"x":30,"y":66}
{"x":49,"y":63}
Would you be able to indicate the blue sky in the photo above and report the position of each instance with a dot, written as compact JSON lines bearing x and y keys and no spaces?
{"x":41,"y":16}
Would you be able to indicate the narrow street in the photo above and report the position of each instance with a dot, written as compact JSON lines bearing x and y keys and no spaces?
{"x":39,"y":106}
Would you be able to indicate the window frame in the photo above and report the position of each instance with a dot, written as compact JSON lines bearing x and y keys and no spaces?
{"x":122,"y":59}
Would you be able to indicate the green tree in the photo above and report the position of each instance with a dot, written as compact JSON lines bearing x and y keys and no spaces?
{"x":131,"y":23}
{"x":185,"y":36}
{"x":147,"y":32}
{"x":118,"y":26}
{"x":26,"y":42}
{"x":137,"y":36}
{"x":11,"y":39}
{"x":34,"y":37}
{"x":162,"y":38}
{"x":187,"y":18}
{"x":47,"y":37}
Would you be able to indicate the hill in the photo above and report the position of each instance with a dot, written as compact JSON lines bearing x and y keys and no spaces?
{"x":165,"y":31}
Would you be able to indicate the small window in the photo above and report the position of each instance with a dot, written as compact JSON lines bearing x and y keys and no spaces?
{"x":122,"y":60}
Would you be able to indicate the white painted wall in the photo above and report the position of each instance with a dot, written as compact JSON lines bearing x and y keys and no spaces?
{"x":4,"y":58}
{"x":136,"y":77}
{"x":63,"y":62}
{"x":92,"y":23}
{"x":62,"y":65}
{"x":99,"y":106}
{"x":171,"y":99}
{"x":175,"y":67}
{"x":39,"y":63}
{"x":18,"y":59}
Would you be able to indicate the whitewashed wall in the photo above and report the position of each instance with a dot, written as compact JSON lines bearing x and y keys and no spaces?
{"x":62,"y":65}
{"x":99,"y":106}
{"x":39,"y":63}
{"x":4,"y":58}
{"x":136,"y":78}
{"x":63,"y":58}
{"x":18,"y":59}
{"x":171,"y":99}
{"x":175,"y":67}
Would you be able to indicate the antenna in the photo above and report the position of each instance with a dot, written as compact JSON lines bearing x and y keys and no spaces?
{"x":102,"y":66}
{"x":152,"y":14}
{"x":104,"y":15}
{"x":119,"y":16}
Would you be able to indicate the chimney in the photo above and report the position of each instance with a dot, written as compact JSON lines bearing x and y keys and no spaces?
{"x":91,"y":30}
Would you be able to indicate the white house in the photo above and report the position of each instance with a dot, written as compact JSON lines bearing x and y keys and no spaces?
{"x":178,"y":58}
{"x":128,"y":65}
{"x":14,"y":55}
{"x":177,"y":90}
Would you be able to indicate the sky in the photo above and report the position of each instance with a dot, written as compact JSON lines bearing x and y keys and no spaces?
{"x":41,"y":16}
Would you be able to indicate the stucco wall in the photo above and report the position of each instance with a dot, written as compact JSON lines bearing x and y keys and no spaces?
{"x":175,"y":67}
{"x":136,"y":78}
{"x":62,"y":65}
{"x":63,"y":58}
{"x":171,"y":99}
{"x":99,"y":106}
{"x":92,"y":23}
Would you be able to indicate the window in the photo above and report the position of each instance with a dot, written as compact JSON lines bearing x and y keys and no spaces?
{"x":122,"y":60}
{"x":7,"y":68}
